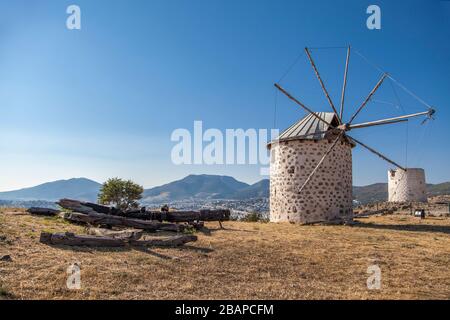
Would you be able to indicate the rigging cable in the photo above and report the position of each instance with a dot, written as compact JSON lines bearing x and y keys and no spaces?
{"x":282,"y":77}
{"x":407,"y":122}
{"x":425,"y":133}
{"x":297,"y":59}
{"x":394,"y":80}
{"x":291,"y":66}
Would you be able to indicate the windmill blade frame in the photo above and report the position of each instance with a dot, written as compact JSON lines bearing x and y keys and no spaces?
{"x":374,"y":123}
{"x":344,"y":85}
{"x":405,"y":117}
{"x":322,"y":85}
{"x":301,"y":104}
{"x":368,"y":98}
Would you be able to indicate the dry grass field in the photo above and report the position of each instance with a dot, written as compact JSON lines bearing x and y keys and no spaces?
{"x":244,"y":261}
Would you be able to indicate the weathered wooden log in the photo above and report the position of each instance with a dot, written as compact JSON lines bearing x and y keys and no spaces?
{"x":129,"y":234}
{"x":86,"y":207}
{"x":163,"y":215}
{"x":174,"y":241}
{"x":111,"y":220}
{"x":197,"y":225}
{"x":43,"y":211}
{"x":71,"y":239}
{"x":75,"y":205}
{"x":180,"y":216}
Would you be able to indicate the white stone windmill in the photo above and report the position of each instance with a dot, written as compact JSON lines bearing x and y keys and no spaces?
{"x":311,"y":161}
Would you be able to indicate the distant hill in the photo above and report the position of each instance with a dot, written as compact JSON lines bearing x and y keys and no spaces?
{"x":438,"y":189}
{"x":76,"y":188}
{"x":195,"y":186}
{"x":371,"y":193}
{"x":257,"y":190}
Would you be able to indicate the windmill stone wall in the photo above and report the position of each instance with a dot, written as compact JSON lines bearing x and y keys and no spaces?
{"x":328,"y":195}
{"x":407,"y":186}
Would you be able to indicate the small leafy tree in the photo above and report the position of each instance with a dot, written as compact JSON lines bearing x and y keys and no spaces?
{"x":123,"y":194}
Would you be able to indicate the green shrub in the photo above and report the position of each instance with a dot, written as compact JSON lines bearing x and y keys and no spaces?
{"x":254,"y":217}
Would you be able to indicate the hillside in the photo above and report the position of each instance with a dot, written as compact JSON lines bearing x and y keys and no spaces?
{"x":75,"y":188}
{"x":195,"y":186}
{"x":438,"y":189}
{"x":371,"y":193}
{"x":257,"y":190}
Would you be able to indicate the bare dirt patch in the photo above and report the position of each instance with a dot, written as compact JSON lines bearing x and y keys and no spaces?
{"x":244,"y":261}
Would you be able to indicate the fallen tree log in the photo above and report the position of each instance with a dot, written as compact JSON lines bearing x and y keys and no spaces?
{"x":197,"y":225}
{"x":75,"y":205}
{"x":129,"y":234}
{"x":43,"y":211}
{"x":179,"y":216}
{"x":188,"y":216}
{"x":71,"y":239}
{"x":174,"y":241}
{"x":142,"y":214}
{"x":111,"y":220}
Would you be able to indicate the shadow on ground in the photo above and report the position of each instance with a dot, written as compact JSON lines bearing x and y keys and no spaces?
{"x":406,"y":227}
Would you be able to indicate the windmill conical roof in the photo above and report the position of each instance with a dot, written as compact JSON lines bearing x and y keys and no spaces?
{"x":309,"y":127}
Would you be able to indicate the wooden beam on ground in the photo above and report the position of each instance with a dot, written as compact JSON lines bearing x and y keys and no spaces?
{"x":174,"y":241}
{"x":142,"y":214}
{"x":128,"y":234}
{"x":71,"y":239}
{"x":43,"y":211}
{"x":111,"y":220}
{"x":75,"y":205}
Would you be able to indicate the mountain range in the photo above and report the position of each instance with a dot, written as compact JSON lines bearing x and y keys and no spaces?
{"x":191,"y":187}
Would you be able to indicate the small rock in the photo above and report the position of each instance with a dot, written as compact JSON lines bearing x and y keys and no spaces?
{"x":6,"y":258}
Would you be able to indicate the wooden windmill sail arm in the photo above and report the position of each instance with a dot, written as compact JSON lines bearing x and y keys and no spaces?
{"x":368,"y":97}
{"x":302,"y":105}
{"x":377,"y":153}
{"x":341,"y":111}
{"x":429,"y":113}
{"x":374,"y":123}
{"x":321,"y":161}
{"x":322,"y":84}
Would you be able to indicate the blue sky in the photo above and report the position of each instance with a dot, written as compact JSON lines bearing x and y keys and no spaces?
{"x":103,"y":101}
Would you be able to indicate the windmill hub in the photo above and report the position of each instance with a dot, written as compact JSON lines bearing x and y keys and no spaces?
{"x":344,"y":127}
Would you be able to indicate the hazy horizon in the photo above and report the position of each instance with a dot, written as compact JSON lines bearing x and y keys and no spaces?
{"x":149,"y":187}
